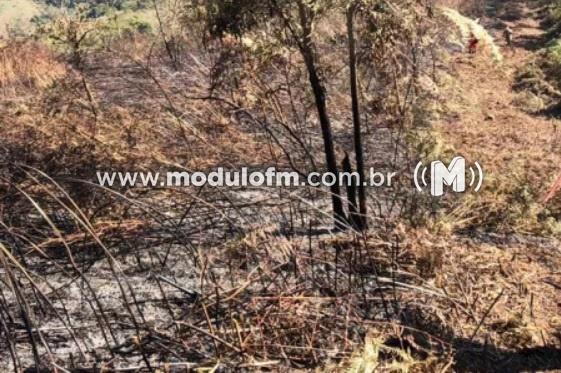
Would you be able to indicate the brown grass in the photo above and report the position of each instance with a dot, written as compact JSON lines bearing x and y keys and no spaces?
{"x":216,"y":279}
{"x":27,"y":65}
{"x":519,"y":151}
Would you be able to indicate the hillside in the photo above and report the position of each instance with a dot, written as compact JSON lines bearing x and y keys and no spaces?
{"x":21,"y":17}
{"x":114,"y":257}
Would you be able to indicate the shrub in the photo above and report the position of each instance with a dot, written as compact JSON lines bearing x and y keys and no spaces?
{"x":140,"y":26}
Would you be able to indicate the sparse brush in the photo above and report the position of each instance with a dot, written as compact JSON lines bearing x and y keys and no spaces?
{"x":27,"y":65}
{"x":378,"y":357}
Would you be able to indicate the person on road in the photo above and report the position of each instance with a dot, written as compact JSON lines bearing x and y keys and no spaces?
{"x":508,"y":33}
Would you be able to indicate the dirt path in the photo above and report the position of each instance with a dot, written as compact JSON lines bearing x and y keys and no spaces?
{"x":491,"y":122}
{"x":488,"y":121}
{"x":520,"y":150}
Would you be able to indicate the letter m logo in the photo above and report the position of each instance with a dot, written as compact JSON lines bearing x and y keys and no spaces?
{"x":454,"y":175}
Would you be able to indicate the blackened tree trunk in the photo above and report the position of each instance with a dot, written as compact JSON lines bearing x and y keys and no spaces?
{"x":307,"y":50}
{"x":354,"y":217}
{"x":361,"y":221}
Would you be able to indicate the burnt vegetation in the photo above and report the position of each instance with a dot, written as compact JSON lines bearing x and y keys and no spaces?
{"x":351,"y":279}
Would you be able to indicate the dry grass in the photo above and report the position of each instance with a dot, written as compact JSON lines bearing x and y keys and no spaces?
{"x":518,"y":150}
{"x":516,"y":280}
{"x":27,"y":65}
{"x":212,"y":279}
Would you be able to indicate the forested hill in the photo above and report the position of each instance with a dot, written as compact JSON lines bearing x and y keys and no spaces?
{"x":23,"y":17}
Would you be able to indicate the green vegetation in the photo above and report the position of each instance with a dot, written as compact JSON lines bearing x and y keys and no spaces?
{"x":22,"y":17}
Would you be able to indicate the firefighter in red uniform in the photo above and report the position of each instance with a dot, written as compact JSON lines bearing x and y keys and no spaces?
{"x":472,"y":44}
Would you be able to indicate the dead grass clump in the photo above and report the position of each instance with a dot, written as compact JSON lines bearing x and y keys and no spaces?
{"x":376,"y":356}
{"x":29,"y":65}
{"x":529,"y":102}
{"x":533,"y":79}
{"x":306,"y":305}
{"x":495,"y":302}
{"x":503,"y":294}
{"x":485,"y":297}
